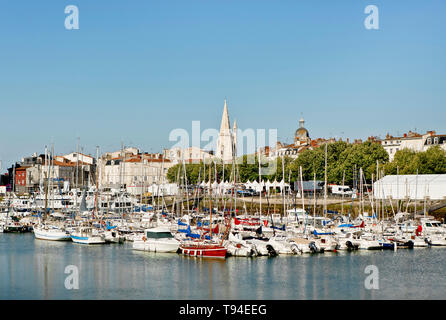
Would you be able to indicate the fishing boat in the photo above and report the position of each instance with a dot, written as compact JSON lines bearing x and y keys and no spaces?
{"x":158,"y":239}
{"x":87,"y":235}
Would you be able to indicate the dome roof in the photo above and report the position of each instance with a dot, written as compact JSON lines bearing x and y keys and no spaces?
{"x":301,"y":133}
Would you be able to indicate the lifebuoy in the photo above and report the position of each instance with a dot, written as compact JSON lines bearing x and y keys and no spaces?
{"x":144,"y":239}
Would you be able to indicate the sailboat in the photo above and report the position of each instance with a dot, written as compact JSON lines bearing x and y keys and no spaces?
{"x":44,"y":231}
{"x":204,"y":248}
{"x":325,"y":240}
{"x":87,"y":234}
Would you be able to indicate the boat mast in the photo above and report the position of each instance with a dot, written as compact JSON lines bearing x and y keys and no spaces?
{"x":283,"y":185}
{"x":314,"y":198}
{"x":343,"y":184}
{"x":397,"y":189}
{"x":302,"y":195}
{"x":210,"y":202}
{"x":416,"y":195}
{"x":261,"y":187}
{"x":46,"y":195}
{"x":97,"y":181}
{"x":325,"y":184}
{"x":361,"y":187}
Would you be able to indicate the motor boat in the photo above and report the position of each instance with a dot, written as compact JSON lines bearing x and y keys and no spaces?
{"x":158,"y":239}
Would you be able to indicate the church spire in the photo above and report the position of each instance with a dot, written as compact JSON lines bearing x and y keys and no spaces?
{"x":224,"y":142}
{"x":225,"y":118}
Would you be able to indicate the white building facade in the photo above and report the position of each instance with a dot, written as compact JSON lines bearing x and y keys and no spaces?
{"x":413,"y":141}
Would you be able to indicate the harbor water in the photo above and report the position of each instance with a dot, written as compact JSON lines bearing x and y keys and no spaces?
{"x":35,"y":269}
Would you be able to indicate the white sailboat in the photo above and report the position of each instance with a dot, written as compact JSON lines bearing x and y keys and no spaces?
{"x":50,"y":232}
{"x":44,"y":231}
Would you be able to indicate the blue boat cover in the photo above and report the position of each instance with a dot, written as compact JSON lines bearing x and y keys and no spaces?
{"x":322,"y":234}
{"x":109,"y":227}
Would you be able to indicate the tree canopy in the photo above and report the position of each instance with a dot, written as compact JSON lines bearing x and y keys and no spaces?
{"x":341,"y":157}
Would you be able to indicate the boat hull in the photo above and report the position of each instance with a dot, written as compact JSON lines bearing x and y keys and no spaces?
{"x":87,"y":240}
{"x":204,"y":251}
{"x":53,"y":236}
{"x":156,"y":246}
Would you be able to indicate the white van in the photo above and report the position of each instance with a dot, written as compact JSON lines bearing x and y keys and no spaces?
{"x":341,"y":190}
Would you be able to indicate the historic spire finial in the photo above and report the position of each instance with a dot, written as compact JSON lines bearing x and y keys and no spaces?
{"x":301,"y":121}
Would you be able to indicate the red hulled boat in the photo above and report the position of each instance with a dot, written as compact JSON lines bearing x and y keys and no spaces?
{"x":203,"y":249}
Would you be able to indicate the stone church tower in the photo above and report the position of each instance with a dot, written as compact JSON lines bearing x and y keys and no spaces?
{"x":226,"y":140}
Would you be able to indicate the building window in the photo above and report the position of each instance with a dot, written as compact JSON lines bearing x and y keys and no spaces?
{"x":429,"y":141}
{"x":436,"y":140}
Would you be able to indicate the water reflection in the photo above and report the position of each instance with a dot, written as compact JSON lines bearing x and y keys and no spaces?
{"x":34,"y":269}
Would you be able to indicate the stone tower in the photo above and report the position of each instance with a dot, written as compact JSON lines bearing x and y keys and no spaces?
{"x":225,"y":141}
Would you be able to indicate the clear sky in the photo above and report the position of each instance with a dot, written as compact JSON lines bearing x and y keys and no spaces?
{"x":135,"y":70}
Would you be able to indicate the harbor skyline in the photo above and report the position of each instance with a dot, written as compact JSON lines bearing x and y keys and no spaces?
{"x":222,"y":158}
{"x":140,"y":71}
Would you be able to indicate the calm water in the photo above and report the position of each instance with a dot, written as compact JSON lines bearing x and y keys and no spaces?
{"x":34,"y":269}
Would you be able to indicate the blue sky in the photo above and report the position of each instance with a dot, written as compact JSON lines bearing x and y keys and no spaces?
{"x":135,"y":70}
